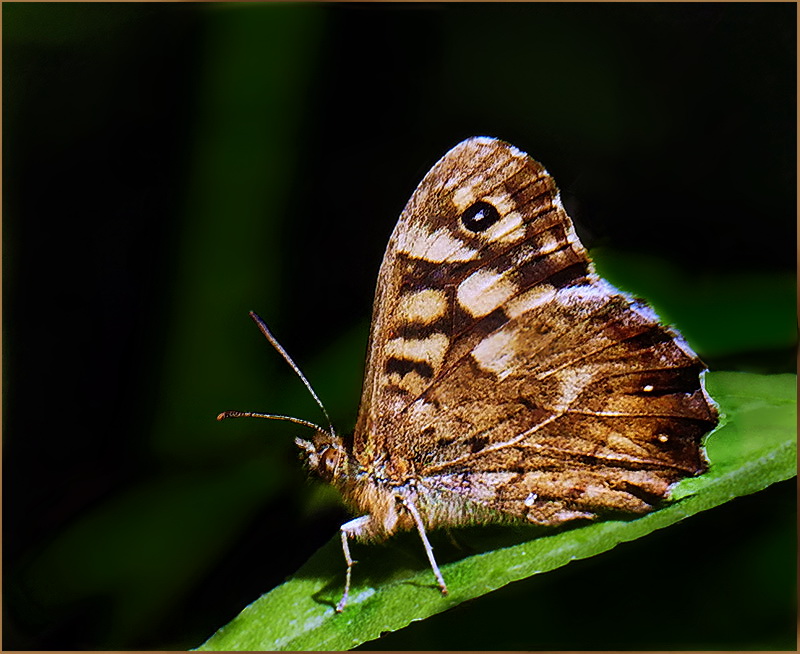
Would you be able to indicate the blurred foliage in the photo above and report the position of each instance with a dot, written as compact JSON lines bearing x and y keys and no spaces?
{"x":169,"y":167}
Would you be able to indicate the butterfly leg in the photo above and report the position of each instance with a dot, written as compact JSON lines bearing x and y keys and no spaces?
{"x":412,"y":509}
{"x":348,"y":529}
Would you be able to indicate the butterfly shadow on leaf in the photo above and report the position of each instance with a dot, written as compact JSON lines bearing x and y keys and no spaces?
{"x":401,"y":559}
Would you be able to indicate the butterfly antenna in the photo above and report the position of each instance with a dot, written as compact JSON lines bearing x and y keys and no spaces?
{"x":270,"y":416}
{"x":274,"y":342}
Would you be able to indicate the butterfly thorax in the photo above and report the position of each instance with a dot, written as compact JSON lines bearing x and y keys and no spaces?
{"x":367,"y":488}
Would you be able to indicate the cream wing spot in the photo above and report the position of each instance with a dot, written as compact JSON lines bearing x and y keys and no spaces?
{"x":500,"y":201}
{"x":588,"y":297}
{"x":463,"y":197}
{"x":437,"y":247}
{"x":424,"y":306}
{"x":548,"y":243}
{"x":509,"y":229}
{"x":411,"y":382}
{"x":530,"y":299}
{"x":424,"y":412}
{"x":483,"y":291}
{"x":430,"y":350}
{"x":572,"y":384}
{"x":497,"y":353}
{"x":446,"y":248}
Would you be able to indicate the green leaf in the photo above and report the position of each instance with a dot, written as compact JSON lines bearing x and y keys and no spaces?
{"x":755,"y":446}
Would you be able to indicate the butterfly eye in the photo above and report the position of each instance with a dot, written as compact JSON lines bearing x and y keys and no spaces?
{"x":479,"y":217}
{"x":329,"y":459}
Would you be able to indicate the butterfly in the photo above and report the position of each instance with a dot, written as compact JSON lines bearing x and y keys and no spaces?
{"x":505,"y":380}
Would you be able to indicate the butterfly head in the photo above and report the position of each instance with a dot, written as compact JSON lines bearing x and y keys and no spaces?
{"x":325,"y":455}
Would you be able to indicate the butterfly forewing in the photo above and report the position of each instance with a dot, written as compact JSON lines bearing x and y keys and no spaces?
{"x":503,"y":372}
{"x":440,"y":280}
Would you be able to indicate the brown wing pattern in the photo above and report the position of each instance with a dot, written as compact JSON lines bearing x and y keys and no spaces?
{"x":501,"y":368}
{"x":429,"y":255}
{"x":608,"y":422}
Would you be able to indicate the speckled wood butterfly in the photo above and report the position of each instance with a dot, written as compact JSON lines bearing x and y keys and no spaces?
{"x":505,"y":379}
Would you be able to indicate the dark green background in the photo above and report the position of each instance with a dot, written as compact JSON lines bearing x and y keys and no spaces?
{"x":169,"y":167}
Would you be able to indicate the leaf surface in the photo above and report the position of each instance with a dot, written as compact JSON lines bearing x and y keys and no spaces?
{"x":754,"y":446}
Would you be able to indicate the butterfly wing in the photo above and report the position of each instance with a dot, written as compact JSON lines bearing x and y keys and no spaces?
{"x":503,"y":372}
